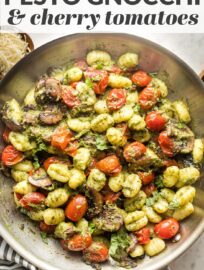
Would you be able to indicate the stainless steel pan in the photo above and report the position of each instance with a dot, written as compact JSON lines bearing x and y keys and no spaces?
{"x":182,"y":82}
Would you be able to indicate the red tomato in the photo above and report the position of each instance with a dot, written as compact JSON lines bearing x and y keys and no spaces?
{"x":111,"y":197}
{"x":76,"y":208}
{"x":46,"y":228}
{"x":116,"y":99}
{"x":146,"y":177}
{"x":149,"y":189}
{"x":170,"y":162}
{"x":148,"y":97}
{"x":115,"y":69}
{"x":10,"y":156}
{"x":69,"y":97}
{"x":72,"y":147}
{"x":79,"y":242}
{"x":6,"y":135}
{"x":34,"y":198}
{"x":141,"y":78}
{"x":143,"y":236}
{"x":96,"y":252}
{"x":54,"y":160}
{"x":61,"y":138}
{"x":167,"y":228}
{"x":166,"y":144}
{"x":109,"y":165}
{"x":99,"y":78}
{"x":134,"y":151}
{"x":154,"y":121}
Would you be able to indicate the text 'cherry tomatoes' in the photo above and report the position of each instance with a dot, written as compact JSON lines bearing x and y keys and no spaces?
{"x":10,"y":156}
{"x":116,"y":99}
{"x":109,"y":165}
{"x":141,"y":78}
{"x":76,"y":208}
{"x":154,"y":121}
{"x":167,"y":228}
{"x":146,"y":177}
{"x":32,"y":199}
{"x":134,"y":151}
{"x":166,"y":144}
{"x":143,"y":236}
{"x":79,"y":242}
{"x":69,"y":96}
{"x":61,"y":138}
{"x":96,"y":252}
{"x":148,"y":97}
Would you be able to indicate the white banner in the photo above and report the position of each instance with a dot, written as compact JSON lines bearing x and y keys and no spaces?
{"x":129,"y":16}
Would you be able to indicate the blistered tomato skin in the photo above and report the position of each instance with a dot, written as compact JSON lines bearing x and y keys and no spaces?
{"x":143,"y":236}
{"x":167,"y":228}
{"x":154,"y":121}
{"x":116,"y":99}
{"x":10,"y":156}
{"x":76,"y":208}
{"x":166,"y":144}
{"x":146,"y":177}
{"x":141,"y":78}
{"x":96,"y":253}
{"x":109,"y":165}
{"x":134,"y":151}
{"x":79,"y":242}
{"x":148,"y":98}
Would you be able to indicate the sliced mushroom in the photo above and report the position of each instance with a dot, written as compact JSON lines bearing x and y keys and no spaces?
{"x":95,"y":200}
{"x":40,"y":179}
{"x":133,"y":243}
{"x":110,"y":219}
{"x":51,"y":116}
{"x":48,"y":89}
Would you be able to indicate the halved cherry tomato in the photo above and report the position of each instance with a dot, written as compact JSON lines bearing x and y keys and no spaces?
{"x":167,"y":228}
{"x":79,"y":242}
{"x":133,"y":151}
{"x":99,"y":78}
{"x":146,"y":177}
{"x":141,"y":78}
{"x":76,"y":208}
{"x":69,"y":97}
{"x":111,"y":197}
{"x":116,"y":99}
{"x":149,"y":189}
{"x":10,"y":156}
{"x":81,"y":64}
{"x":166,"y":144}
{"x":109,"y":165}
{"x":46,"y":228}
{"x":61,"y":138}
{"x":29,"y":200}
{"x":148,"y":97}
{"x":6,"y":135}
{"x":72,"y":147}
{"x":154,"y":121}
{"x":54,"y":160}
{"x":143,"y":236}
{"x":96,"y":252}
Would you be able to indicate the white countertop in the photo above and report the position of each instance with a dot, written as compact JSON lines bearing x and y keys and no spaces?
{"x":189,"y":47}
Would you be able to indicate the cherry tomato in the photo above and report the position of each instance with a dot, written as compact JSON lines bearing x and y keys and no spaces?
{"x":116,"y":99}
{"x":46,"y":228}
{"x":69,"y":97}
{"x":134,"y":151}
{"x":167,"y":228}
{"x":111,"y":197}
{"x":115,"y":69}
{"x":148,"y":97}
{"x":170,"y":162}
{"x":146,"y":177}
{"x":166,"y":144}
{"x":6,"y":135}
{"x":99,"y":78}
{"x":154,"y":121}
{"x":143,"y":236}
{"x":61,"y":138}
{"x":141,"y":78}
{"x":109,"y":165}
{"x":81,"y":64}
{"x":96,"y":252}
{"x":79,"y":242}
{"x":10,"y":156}
{"x":76,"y":208}
{"x":54,"y":160}
{"x":72,"y":147}
{"x":29,"y":200}
{"x":149,"y":189}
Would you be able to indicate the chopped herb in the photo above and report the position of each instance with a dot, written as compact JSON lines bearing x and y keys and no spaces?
{"x":101,"y":142}
{"x":174,"y":204}
{"x":99,"y":65}
{"x":89,"y":82}
{"x":181,"y":125}
{"x":153,"y":199}
{"x":137,"y":108}
{"x":92,"y":228}
{"x":36,"y":163}
{"x":159,"y":182}
{"x":153,"y":74}
{"x":44,"y":237}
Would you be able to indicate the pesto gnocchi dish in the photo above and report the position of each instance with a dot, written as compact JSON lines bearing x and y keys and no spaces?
{"x":102,"y":160}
